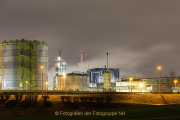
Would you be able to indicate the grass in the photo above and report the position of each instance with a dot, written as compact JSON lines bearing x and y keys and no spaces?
{"x":136,"y":112}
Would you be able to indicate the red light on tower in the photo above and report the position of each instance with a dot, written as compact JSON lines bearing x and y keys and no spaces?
{"x":81,"y":51}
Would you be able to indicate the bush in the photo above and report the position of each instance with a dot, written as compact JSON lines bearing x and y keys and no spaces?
{"x":2,"y":96}
{"x":45,"y":98}
{"x":20,"y":97}
{"x":75,"y":99}
{"x":68,"y":99}
{"x":16,"y":96}
{"x":91,"y":99}
{"x":7,"y":97}
{"x":82,"y":99}
{"x":99,"y":99}
{"x":62,"y":98}
{"x":35,"y":97}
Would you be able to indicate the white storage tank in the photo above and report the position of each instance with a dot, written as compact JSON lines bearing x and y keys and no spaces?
{"x":20,"y":64}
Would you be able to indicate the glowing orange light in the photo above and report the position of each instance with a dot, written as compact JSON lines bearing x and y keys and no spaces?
{"x":130,"y":78}
{"x":159,"y":67}
{"x":42,"y":67}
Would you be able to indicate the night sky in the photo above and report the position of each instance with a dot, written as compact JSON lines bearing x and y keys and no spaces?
{"x":139,"y":35}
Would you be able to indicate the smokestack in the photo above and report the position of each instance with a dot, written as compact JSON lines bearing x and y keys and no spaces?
{"x":107,"y":61}
{"x":59,"y":53}
{"x":81,"y":51}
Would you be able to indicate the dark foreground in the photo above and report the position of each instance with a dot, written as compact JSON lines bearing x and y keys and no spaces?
{"x":87,"y":111}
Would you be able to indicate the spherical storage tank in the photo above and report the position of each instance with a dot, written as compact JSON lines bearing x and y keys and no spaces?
{"x":20,"y":65}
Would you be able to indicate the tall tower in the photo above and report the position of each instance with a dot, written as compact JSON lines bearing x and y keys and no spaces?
{"x":59,"y":53}
{"x":81,"y":51}
{"x":60,"y":68}
{"x":60,"y":65}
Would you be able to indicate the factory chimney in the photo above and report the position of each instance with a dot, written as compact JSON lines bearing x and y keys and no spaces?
{"x":107,"y":61}
{"x":59,"y":53}
{"x":81,"y":51}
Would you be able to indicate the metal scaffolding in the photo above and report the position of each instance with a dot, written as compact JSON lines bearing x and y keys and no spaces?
{"x":20,"y":64}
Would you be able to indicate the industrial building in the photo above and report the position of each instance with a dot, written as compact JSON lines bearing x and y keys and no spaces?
{"x":23,"y":64}
{"x":131,"y":84}
{"x":103,"y":79}
{"x":80,"y":81}
{"x":75,"y":81}
{"x":167,"y":84}
{"x":72,"y":82}
{"x":60,"y":65}
{"x":97,"y":75}
{"x":60,"y":69}
{"x":106,"y":79}
{"x":96,"y":78}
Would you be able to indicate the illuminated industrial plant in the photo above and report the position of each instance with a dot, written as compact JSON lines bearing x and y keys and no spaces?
{"x":60,"y":65}
{"x":24,"y":66}
{"x":60,"y":68}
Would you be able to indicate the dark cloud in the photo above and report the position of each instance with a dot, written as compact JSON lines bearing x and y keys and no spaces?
{"x":139,"y":35}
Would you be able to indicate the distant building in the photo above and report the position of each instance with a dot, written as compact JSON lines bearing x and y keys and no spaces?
{"x":60,"y":68}
{"x":151,"y":84}
{"x":60,"y":65}
{"x":97,"y":75}
{"x":72,"y":82}
{"x":166,"y":82}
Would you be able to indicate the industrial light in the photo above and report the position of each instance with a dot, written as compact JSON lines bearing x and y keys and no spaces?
{"x":159,"y":67}
{"x":175,"y":85}
{"x":141,"y":85}
{"x":130,"y":83}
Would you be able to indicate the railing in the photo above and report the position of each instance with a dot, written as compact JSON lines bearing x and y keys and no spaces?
{"x":74,"y":92}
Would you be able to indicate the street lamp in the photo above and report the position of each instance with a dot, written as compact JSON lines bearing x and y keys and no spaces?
{"x":46,"y":87}
{"x":130,"y":83}
{"x":175,"y":85}
{"x":42,"y":67}
{"x":26,"y":86}
{"x":141,"y":85}
{"x":64,"y":82}
{"x":159,"y":68}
